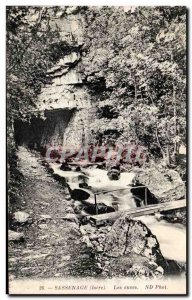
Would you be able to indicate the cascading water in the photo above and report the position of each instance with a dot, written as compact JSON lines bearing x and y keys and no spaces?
{"x":119,"y":199}
{"x":99,"y":182}
{"x":171,"y":237}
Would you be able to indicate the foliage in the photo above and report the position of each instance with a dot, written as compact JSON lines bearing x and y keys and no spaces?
{"x":133,"y":61}
{"x":140,"y":56}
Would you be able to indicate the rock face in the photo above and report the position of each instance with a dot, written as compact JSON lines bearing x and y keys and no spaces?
{"x":66,"y":93}
{"x":166,"y":185}
{"x":130,"y":236}
{"x":64,"y":103}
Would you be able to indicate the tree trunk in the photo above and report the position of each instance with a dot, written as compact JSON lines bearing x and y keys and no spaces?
{"x":175,"y":126}
{"x":157,"y":137}
{"x":162,"y":151}
{"x":135,"y":92}
{"x":167,"y":156}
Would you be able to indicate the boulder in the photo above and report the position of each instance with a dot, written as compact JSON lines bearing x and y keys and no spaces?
{"x":45,"y":217}
{"x":86,"y":240}
{"x":21,"y":217}
{"x":60,"y":179}
{"x":71,"y":10}
{"x":159,"y":271}
{"x":101,"y":208}
{"x":69,"y":209}
{"x":78,"y":207}
{"x":83,"y":185}
{"x":131,"y":236}
{"x":164,"y":184}
{"x":89,"y":229}
{"x":14,"y":236}
{"x":99,"y":249}
{"x":43,"y":226}
{"x":113,"y":174}
{"x":68,"y":197}
{"x":93,"y":237}
{"x":115,"y":167}
{"x":79,"y":194}
{"x":71,"y":218}
{"x":84,"y":220}
{"x":101,"y":166}
{"x":175,"y":216}
{"x":144,"y":272}
{"x":82,"y":230}
{"x":78,"y":169}
{"x":65,"y":167}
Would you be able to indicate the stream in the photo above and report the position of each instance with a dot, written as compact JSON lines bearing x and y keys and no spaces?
{"x":171,"y":236}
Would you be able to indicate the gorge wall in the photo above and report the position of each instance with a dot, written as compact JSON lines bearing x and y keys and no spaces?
{"x":64,"y":105}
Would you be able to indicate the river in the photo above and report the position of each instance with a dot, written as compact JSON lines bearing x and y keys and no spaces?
{"x":171,"y":237}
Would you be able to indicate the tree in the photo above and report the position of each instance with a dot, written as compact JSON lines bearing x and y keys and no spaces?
{"x":140,"y":57}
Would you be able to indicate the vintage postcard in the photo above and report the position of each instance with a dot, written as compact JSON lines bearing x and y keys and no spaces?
{"x":96,"y":150}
